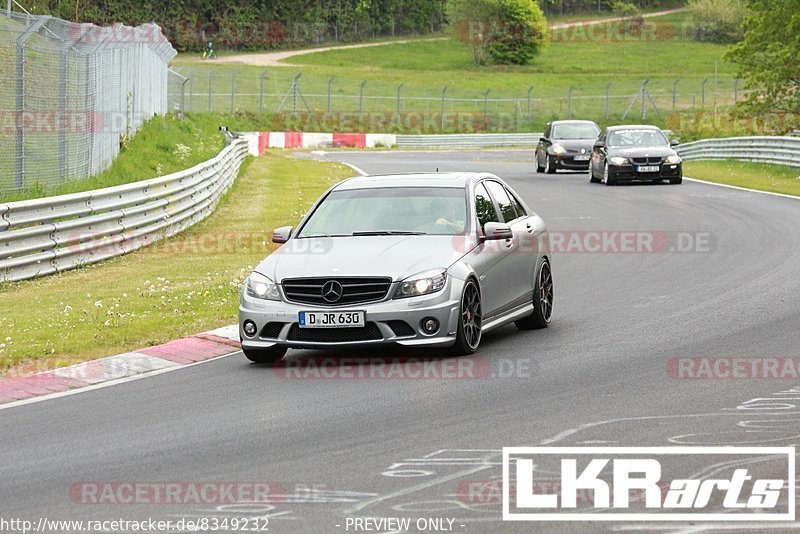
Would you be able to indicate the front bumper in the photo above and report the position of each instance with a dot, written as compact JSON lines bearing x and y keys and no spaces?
{"x":627,"y":173}
{"x":568,"y":162}
{"x":389,"y":321}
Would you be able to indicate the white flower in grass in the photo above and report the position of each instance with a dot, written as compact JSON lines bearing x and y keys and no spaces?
{"x":98,"y":304}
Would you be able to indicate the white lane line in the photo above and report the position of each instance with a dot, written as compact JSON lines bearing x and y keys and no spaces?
{"x":109,"y":383}
{"x":358,"y":170}
{"x":742,"y":188}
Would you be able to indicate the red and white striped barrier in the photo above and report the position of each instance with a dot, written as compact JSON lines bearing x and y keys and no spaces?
{"x":258,"y":142}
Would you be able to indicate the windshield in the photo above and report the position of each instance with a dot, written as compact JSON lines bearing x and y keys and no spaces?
{"x":575,"y":131}
{"x":637,"y":138}
{"x":387,"y":211}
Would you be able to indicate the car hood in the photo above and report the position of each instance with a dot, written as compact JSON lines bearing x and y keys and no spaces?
{"x":575,"y":145}
{"x":394,"y":256}
{"x":641,"y":152}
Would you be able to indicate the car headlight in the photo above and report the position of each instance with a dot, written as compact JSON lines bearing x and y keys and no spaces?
{"x":421,"y":284}
{"x":673,"y":159}
{"x":616,"y":160}
{"x":261,"y":287}
{"x":558,"y":149}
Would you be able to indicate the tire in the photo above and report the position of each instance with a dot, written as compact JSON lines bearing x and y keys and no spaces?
{"x":607,"y":178}
{"x":677,"y":180}
{"x":539,"y":168}
{"x":542,"y":300}
{"x":270,"y":355}
{"x":468,"y":334}
{"x":549,"y":164}
{"x":592,"y":178}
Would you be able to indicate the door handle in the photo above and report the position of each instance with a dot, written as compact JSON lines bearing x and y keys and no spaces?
{"x":530,"y":228}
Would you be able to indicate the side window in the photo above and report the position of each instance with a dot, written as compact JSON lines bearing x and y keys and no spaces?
{"x":517,"y":205}
{"x":499,"y":194}
{"x":547,"y":130}
{"x":484,"y":207}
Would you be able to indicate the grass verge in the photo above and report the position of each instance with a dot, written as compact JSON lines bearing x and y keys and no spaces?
{"x":172,"y":289}
{"x":163,"y":145}
{"x":761,"y":176}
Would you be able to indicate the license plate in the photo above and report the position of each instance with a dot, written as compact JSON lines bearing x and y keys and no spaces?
{"x":331,"y":319}
{"x":582,"y":158}
{"x":648,"y":168}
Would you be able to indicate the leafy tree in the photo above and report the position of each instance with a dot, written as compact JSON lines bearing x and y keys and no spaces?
{"x":718,"y":21}
{"x":769,"y":54}
{"x":498,"y":31}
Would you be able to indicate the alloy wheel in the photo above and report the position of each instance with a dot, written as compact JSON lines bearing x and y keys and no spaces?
{"x":546,"y":291}
{"x":471,"y":315}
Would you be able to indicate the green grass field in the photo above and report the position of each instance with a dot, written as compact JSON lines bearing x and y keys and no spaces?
{"x":761,"y":176}
{"x":175,"y":288}
{"x":586,"y":61}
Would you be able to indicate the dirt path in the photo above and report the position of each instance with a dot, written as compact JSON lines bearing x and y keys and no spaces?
{"x":277,"y":59}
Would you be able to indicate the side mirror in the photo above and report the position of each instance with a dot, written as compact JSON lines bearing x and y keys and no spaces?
{"x":674,"y":142}
{"x":493,"y":231}
{"x":599,"y":144}
{"x":281,"y":235}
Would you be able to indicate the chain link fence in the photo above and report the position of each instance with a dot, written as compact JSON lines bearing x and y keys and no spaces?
{"x":72,"y":93}
{"x":312,"y":102}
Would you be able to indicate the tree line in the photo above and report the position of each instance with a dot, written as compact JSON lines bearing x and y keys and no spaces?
{"x":260,"y":24}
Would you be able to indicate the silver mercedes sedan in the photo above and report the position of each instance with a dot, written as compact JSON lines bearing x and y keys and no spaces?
{"x":429,"y":260}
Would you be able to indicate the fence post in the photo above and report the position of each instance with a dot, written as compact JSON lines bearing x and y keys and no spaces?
{"x":361,"y":97}
{"x":736,"y":90}
{"x":19,"y":166}
{"x":530,"y":116}
{"x":264,"y":75}
{"x":703,"y":92}
{"x":399,"y":88}
{"x":209,"y":91}
{"x":233,"y":89}
{"x":645,"y":97}
{"x":675,"y":92}
{"x":62,"y":110}
{"x":486,"y":106}
{"x":441,"y":113}
{"x":295,"y":91}
{"x":191,"y":93}
{"x":569,"y":102}
{"x":330,"y":83}
{"x":608,"y":86}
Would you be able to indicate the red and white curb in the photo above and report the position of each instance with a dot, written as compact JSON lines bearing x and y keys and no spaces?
{"x":258,"y":142}
{"x":96,"y":373}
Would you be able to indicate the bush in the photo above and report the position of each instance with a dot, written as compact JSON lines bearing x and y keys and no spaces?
{"x":718,"y":21}
{"x":503,"y":32}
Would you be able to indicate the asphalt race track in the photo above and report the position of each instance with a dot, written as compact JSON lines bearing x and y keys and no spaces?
{"x":602,"y":374}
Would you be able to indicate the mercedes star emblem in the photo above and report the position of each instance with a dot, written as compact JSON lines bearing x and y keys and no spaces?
{"x":332,"y":291}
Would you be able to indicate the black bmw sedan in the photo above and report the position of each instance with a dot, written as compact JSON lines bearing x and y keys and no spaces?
{"x":634,"y":153}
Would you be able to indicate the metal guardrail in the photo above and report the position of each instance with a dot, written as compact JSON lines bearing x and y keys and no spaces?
{"x":763,"y":149}
{"x":53,"y":234}
{"x":468,"y":140}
